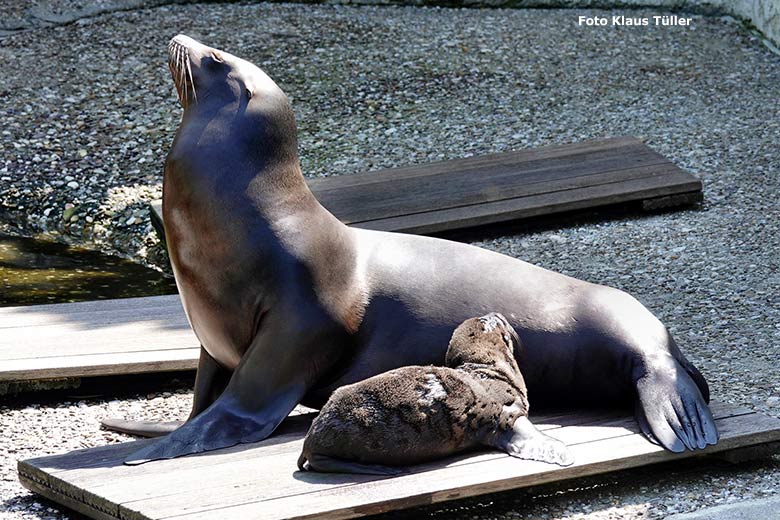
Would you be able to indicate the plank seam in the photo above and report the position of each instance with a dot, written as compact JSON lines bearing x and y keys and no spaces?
{"x":570,"y":150}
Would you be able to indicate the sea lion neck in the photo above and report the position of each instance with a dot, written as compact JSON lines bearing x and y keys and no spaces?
{"x":238,"y":152}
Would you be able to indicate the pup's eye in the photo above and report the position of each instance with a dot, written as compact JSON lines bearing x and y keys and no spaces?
{"x":217,"y":57}
{"x":249,"y":93}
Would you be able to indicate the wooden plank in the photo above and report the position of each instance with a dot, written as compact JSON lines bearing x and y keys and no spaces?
{"x":494,"y":188}
{"x":235,"y":479}
{"x":135,"y":337}
{"x":490,"y":183}
{"x":109,"y":337}
{"x":91,"y":365}
{"x":98,"y":311}
{"x":260,"y":480}
{"x":543,"y":204}
{"x":549,"y":152}
{"x":433,"y":485}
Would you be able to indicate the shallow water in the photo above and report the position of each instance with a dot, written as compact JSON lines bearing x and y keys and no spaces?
{"x":36,"y":271}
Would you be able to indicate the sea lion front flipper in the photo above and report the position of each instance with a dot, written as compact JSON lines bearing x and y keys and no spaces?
{"x":671,"y":410}
{"x":325,"y":464}
{"x":141,"y":428}
{"x":210,"y":381}
{"x":265,"y":386}
{"x":524,"y":441}
{"x":225,"y":423}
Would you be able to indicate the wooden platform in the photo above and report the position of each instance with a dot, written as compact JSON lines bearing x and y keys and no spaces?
{"x":261,"y":480}
{"x":497,"y":188}
{"x":96,"y":338}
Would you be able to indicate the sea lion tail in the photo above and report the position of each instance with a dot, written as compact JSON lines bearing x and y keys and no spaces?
{"x":302,"y":462}
{"x":325,"y":464}
{"x":141,"y":428}
{"x":671,"y":408}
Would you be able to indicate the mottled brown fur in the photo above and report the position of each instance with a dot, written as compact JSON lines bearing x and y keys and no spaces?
{"x":418,"y":413}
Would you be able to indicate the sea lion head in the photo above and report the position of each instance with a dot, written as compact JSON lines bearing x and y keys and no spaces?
{"x":488,"y":339}
{"x":229,"y":100}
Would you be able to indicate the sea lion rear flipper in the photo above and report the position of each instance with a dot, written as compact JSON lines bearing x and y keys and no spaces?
{"x":141,"y":428}
{"x":325,"y":464}
{"x":672,"y":412}
{"x":524,"y":441}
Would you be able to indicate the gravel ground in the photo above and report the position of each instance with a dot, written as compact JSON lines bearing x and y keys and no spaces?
{"x":89,"y":110}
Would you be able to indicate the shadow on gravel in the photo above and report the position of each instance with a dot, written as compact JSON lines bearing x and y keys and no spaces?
{"x":569,"y":219}
{"x":94,"y":390}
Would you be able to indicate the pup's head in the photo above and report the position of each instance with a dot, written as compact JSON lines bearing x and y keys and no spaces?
{"x":488,"y":340}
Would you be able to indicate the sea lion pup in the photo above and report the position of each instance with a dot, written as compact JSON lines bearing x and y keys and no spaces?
{"x":414,"y":414}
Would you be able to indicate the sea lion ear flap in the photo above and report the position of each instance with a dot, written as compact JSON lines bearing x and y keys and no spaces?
{"x":524,"y":441}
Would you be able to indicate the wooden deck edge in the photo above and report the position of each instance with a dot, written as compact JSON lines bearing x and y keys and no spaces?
{"x":29,"y":478}
{"x":671,"y":201}
{"x":90,"y":368}
{"x":748,"y":453}
{"x":721,"y":449}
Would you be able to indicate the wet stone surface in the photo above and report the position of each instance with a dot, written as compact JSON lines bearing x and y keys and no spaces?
{"x":42,"y":271}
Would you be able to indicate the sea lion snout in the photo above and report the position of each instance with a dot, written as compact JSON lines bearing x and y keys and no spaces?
{"x":195,"y":50}
{"x":492,"y":320}
{"x":186,"y":57}
{"x":496,"y":320}
{"x":486,"y":339}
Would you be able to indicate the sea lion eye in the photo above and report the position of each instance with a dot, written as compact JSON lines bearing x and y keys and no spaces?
{"x":217,"y":57}
{"x":249,"y":93}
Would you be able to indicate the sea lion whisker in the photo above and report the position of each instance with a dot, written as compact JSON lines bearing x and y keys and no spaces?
{"x":180,"y":81}
{"x":180,"y":70}
{"x":172,"y":66}
{"x":192,"y":81}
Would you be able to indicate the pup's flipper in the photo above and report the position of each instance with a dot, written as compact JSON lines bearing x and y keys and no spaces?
{"x":325,"y":464}
{"x":141,"y":428}
{"x":524,"y":441}
{"x":671,"y":410}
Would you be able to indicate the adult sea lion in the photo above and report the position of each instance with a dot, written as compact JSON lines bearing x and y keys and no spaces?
{"x":290,"y":304}
{"x":416,"y":414}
